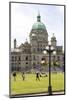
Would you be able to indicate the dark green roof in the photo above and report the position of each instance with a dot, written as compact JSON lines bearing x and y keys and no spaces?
{"x":38,"y":25}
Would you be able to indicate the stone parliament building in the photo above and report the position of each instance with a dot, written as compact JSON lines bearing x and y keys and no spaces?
{"x":28,"y":56}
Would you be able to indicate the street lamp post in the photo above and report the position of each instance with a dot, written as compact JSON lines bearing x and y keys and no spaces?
{"x":49,"y":49}
{"x":49,"y":87}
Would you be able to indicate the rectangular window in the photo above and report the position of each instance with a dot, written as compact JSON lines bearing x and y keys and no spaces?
{"x":12,"y":58}
{"x":19,"y":58}
{"x":26,"y":57}
{"x":15,"y":58}
{"x":34,"y":57}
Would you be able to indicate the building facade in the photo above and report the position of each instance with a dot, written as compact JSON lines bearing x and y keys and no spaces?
{"x":28,"y":56}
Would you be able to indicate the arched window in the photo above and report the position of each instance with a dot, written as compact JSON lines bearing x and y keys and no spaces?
{"x":15,"y":58}
{"x":26,"y":57}
{"x":12,"y":58}
{"x":34,"y":65}
{"x":34,"y":49}
{"x":34,"y":57}
{"x":26,"y":62}
{"x":58,"y":58}
{"x":54,"y":57}
{"x":19,"y":58}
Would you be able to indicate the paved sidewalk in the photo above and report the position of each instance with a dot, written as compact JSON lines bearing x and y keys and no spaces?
{"x":39,"y":94}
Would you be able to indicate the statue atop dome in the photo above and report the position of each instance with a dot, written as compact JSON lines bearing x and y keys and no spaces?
{"x":39,"y":25}
{"x":38,"y":17}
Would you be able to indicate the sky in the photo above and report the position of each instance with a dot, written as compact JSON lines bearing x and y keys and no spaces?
{"x":23,"y":16}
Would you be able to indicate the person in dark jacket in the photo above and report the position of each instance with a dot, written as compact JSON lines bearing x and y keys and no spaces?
{"x":23,"y":76}
{"x":14,"y":75}
{"x":37,"y":76}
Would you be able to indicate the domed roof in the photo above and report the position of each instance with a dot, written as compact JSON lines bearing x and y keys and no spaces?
{"x":38,"y":24}
{"x":26,"y":43}
{"x":53,"y":38}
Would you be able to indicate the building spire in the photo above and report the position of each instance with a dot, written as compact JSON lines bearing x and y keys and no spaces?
{"x":53,"y":34}
{"x":15,"y":43}
{"x":38,"y":17}
{"x":26,"y":40}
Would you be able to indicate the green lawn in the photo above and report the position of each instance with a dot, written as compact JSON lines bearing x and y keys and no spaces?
{"x":30,"y":85}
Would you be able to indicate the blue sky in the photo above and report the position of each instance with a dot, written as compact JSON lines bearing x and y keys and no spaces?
{"x":23,"y":16}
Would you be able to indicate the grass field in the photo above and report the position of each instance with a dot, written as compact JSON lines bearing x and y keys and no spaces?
{"x":30,"y":85}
